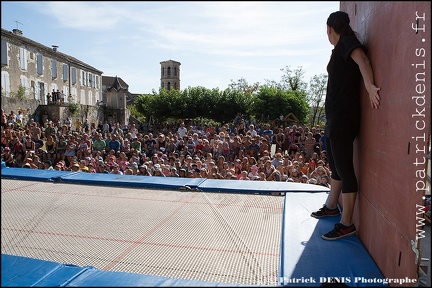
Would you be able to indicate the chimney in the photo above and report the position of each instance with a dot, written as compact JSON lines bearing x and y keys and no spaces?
{"x":54,"y":47}
{"x":17,"y":32}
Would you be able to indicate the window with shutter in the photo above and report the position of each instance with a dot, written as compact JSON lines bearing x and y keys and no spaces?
{"x":39,"y":64}
{"x":4,"y":53}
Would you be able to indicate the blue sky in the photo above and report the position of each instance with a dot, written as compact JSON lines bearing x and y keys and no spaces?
{"x":215,"y":42}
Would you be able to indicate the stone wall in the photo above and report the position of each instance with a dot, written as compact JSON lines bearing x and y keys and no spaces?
{"x":32,"y":109}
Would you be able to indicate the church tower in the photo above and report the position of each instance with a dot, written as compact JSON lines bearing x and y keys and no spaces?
{"x":170,"y":74}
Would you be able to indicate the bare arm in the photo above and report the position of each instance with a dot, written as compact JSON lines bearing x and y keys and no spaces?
{"x":365,"y":67}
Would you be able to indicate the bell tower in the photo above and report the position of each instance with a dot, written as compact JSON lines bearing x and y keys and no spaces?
{"x":170,"y":74}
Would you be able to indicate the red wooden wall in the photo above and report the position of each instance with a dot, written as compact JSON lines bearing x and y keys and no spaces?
{"x":396,"y":136}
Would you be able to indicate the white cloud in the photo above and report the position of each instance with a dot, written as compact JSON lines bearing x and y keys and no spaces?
{"x":214,"y":41}
{"x":87,"y":16}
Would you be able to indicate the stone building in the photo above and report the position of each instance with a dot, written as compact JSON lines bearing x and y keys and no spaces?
{"x":170,"y":74}
{"x":37,"y":70}
{"x":30,"y":71}
{"x":115,"y":97}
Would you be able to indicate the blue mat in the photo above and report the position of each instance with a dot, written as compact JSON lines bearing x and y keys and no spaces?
{"x":32,"y":174}
{"x":199,"y":184}
{"x":308,"y":260}
{"x":259,"y":187}
{"x":131,"y":180}
{"x":19,"y":271}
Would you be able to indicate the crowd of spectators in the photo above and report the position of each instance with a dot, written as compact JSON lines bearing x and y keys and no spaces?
{"x":241,"y":150}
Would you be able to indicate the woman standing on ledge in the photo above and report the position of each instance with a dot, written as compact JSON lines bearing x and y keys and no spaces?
{"x":348,"y":65}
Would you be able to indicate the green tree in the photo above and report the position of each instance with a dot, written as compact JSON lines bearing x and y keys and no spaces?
{"x":20,"y":93}
{"x":290,"y":80}
{"x":316,"y":98}
{"x":74,"y":108}
{"x":271,"y":102}
{"x":228,"y":104}
{"x":143,"y":104}
{"x":134,"y":112}
{"x":243,"y":86}
{"x":265,"y":102}
{"x":193,"y":102}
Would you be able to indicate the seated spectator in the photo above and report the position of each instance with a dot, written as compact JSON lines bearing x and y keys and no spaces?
{"x":27,"y":165}
{"x":253,"y":174}
{"x":324,"y":181}
{"x":318,"y":173}
{"x":47,"y":165}
{"x":143,"y":171}
{"x":75,"y":167}
{"x":116,"y":169}
{"x":158,"y":171}
{"x":268,"y":168}
{"x":8,"y":157}
{"x":91,"y":168}
{"x":283,"y":176}
{"x":309,"y":168}
{"x":30,"y":162}
{"x":166,"y":171}
{"x":61,"y":147}
{"x":182,"y":173}
{"x":58,"y":167}
{"x":262,"y":176}
{"x":296,"y":175}
{"x":244,"y":175}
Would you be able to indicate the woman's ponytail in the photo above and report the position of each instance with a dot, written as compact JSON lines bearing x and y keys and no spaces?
{"x":339,"y":21}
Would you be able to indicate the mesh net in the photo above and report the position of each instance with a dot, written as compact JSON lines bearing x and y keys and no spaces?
{"x":217,"y":237}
